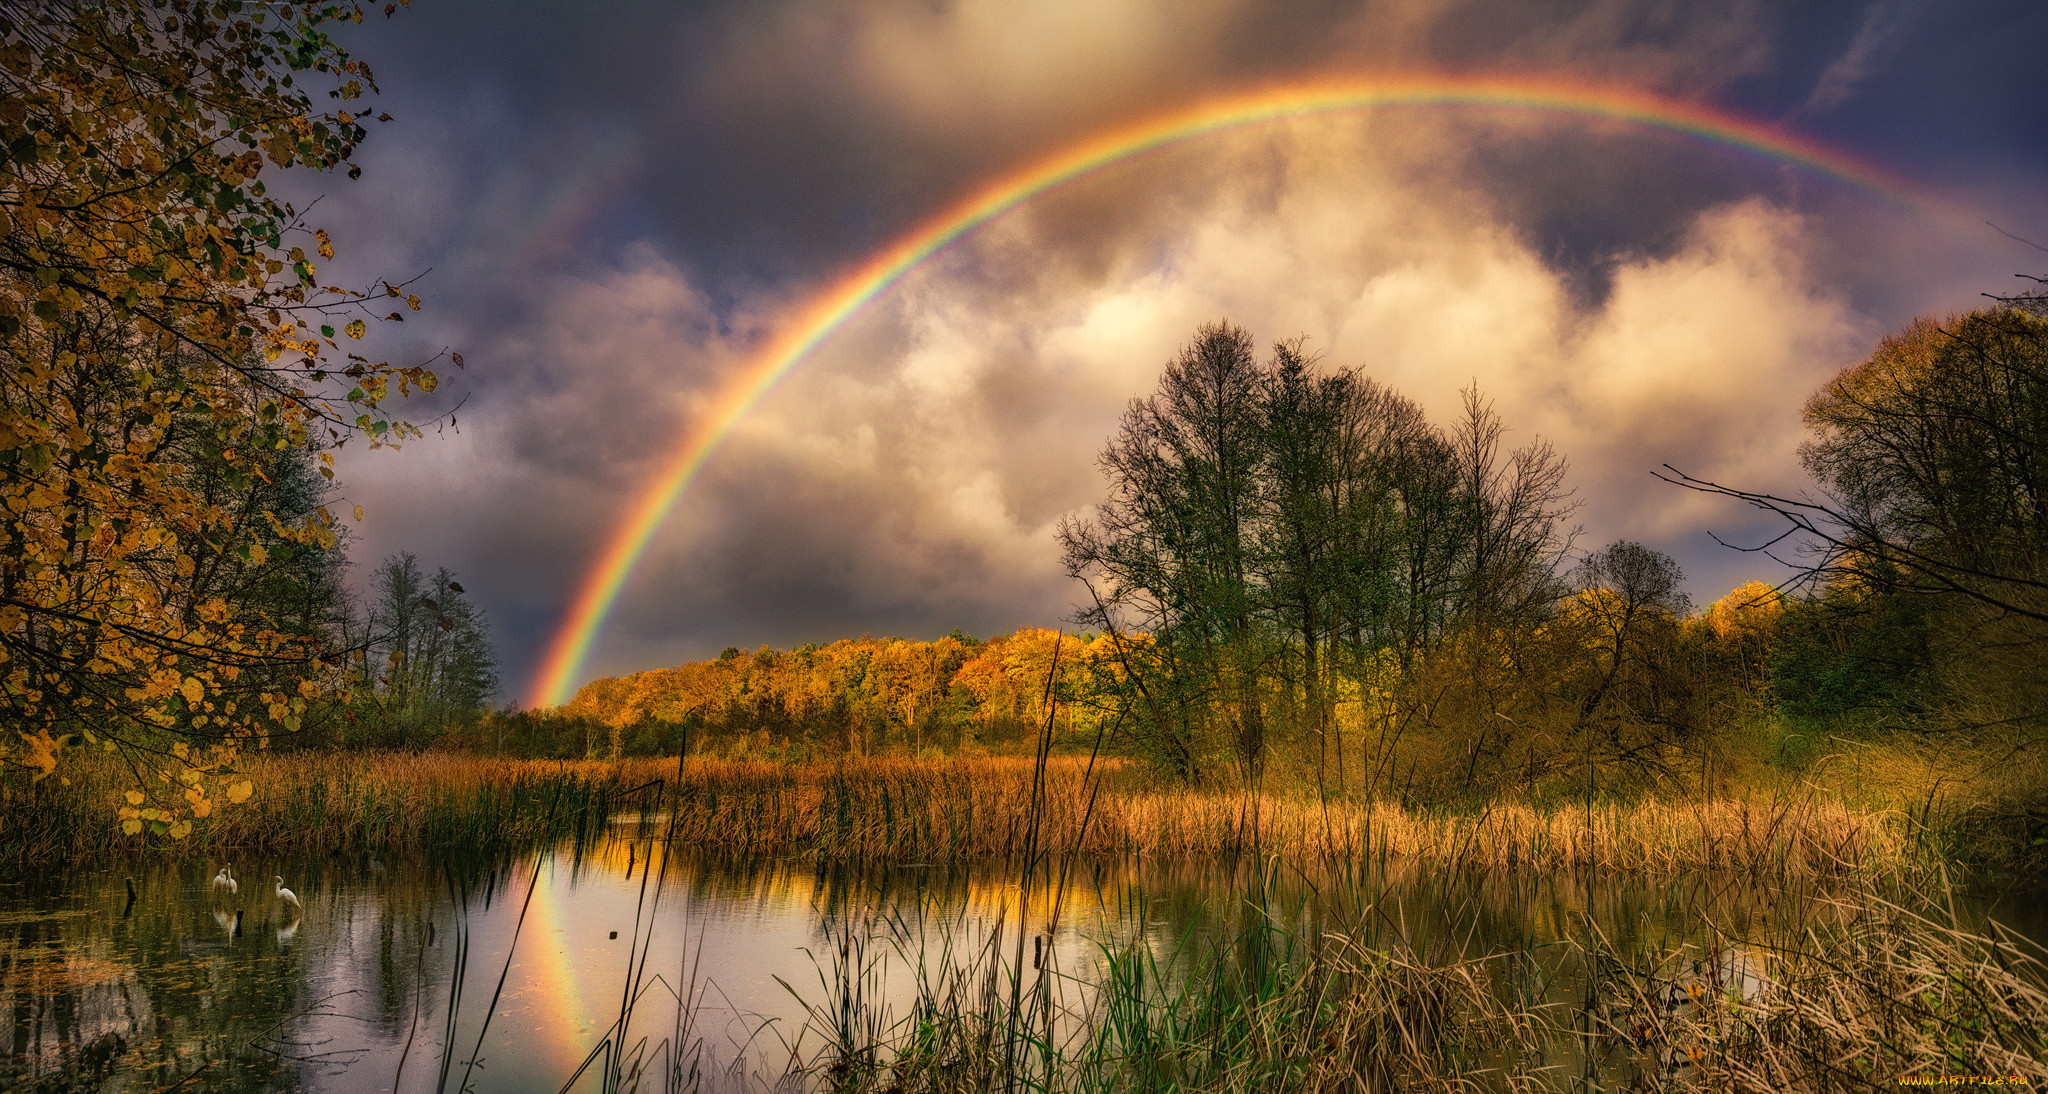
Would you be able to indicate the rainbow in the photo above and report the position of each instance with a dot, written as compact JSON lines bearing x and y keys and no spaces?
{"x":561,"y":994}
{"x":826,"y":311}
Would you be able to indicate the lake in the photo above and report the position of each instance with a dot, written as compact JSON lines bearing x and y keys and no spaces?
{"x":510,"y":975}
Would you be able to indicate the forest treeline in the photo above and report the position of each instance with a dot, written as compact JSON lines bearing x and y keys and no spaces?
{"x":895,"y":695}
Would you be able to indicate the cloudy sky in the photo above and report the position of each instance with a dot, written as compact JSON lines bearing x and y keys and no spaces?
{"x":616,"y":207}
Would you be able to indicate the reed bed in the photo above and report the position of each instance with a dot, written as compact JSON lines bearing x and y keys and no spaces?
{"x":342,"y":802}
{"x":1270,"y":1009}
{"x":903,"y":810}
{"x":947,"y":810}
{"x":1874,"y":996}
{"x":1870,"y":997}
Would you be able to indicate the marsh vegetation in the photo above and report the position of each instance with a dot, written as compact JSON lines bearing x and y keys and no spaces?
{"x":1000,"y":923}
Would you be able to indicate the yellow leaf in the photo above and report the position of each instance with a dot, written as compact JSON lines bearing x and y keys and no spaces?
{"x":181,"y":829}
{"x":240,"y":792}
{"x":355,"y":329}
{"x":193,"y":689}
{"x":131,"y":826}
{"x":135,"y":797}
{"x":41,"y":753}
{"x":359,"y":512}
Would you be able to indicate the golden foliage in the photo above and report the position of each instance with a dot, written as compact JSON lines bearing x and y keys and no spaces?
{"x":1747,"y":613}
{"x":874,"y":687}
{"x":162,"y":338}
{"x":1901,"y":362}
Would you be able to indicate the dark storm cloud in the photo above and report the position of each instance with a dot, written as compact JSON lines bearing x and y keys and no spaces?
{"x":620,"y":205}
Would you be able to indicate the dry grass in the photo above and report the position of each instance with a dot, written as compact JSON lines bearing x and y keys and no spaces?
{"x":1267,"y":1011}
{"x":323,"y":802}
{"x":1867,"y":995}
{"x":1874,"y":996}
{"x":967,"y":808}
{"x":903,"y":810}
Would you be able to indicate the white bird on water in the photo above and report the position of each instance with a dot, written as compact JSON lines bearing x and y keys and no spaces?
{"x":224,"y":882}
{"x":287,"y":895}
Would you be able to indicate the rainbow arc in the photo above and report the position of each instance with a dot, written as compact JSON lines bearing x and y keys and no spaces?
{"x":828,"y":310}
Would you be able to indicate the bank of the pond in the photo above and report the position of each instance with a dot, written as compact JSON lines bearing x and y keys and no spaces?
{"x":1132,"y":974}
{"x":883,"y":809}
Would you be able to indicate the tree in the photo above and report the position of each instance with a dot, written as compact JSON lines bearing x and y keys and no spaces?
{"x":1513,"y":511}
{"x":1339,"y":450}
{"x":429,"y":649}
{"x":1928,"y":536}
{"x":161,"y":327}
{"x":1302,"y":533}
{"x":1271,"y":524}
{"x":1637,"y":698}
{"x":1930,"y":460}
{"x":1170,"y":551}
{"x":1488,"y":537}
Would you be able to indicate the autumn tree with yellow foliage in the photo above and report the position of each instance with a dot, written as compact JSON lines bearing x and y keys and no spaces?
{"x":166,"y":348}
{"x":857,"y":696}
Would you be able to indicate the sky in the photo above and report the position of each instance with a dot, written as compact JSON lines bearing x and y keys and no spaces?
{"x":612,"y":210}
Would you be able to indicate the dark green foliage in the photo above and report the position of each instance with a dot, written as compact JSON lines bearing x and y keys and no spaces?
{"x":426,"y":664}
{"x":1283,"y":534}
{"x":1842,"y":655}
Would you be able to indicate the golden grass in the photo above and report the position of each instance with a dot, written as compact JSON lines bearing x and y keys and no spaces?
{"x":967,"y":808}
{"x":338,"y":801}
{"x":941,"y":810}
{"x":1866,"y":995}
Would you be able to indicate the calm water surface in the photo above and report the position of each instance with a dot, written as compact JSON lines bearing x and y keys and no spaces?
{"x":508,"y":975}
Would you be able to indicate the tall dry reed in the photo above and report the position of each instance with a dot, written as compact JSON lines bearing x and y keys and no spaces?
{"x":347,"y":801}
{"x":880,"y":810}
{"x":966,"y":808}
{"x":1267,"y":1010}
{"x":1867,"y":996}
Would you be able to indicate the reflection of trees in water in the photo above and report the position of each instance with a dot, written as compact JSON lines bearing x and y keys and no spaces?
{"x":1468,"y":911}
{"x":188,"y":997}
